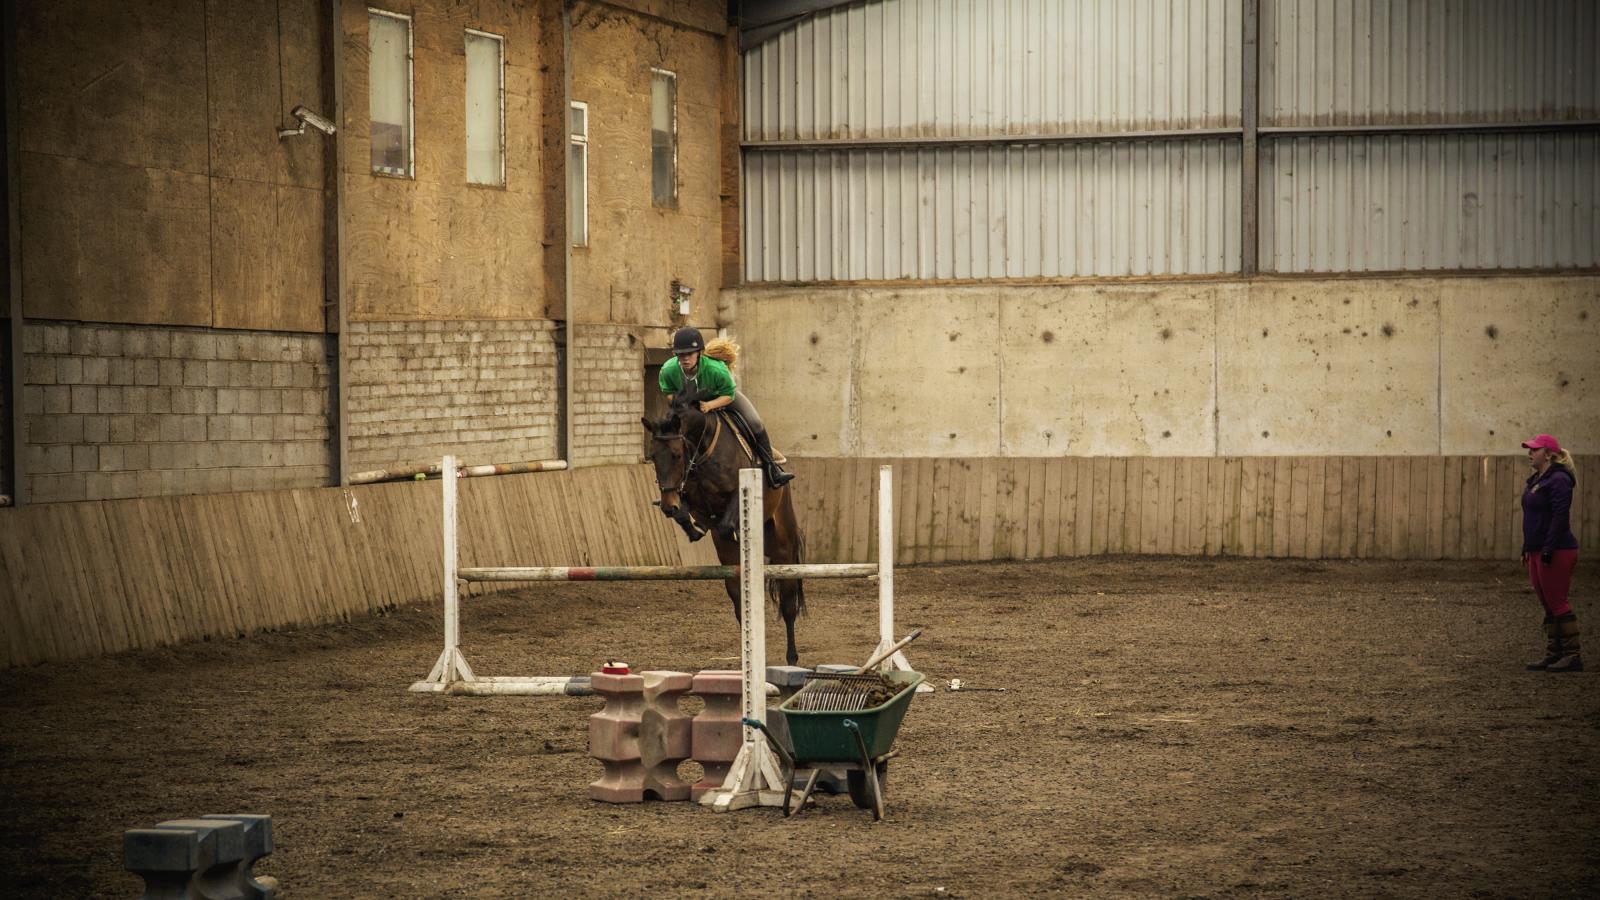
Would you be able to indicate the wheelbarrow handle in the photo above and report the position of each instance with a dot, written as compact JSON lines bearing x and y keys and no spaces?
{"x":772,"y":741}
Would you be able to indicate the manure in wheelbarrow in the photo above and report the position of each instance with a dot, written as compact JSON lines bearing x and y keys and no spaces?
{"x":844,"y":693}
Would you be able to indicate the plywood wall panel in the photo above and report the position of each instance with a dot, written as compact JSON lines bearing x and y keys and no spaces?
{"x":1307,"y":507}
{"x":83,"y":579}
{"x":89,"y":578}
{"x":112,"y":234}
{"x":113,"y":82}
{"x":267,"y":254}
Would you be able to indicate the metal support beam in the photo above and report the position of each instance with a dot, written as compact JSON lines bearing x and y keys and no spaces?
{"x":1249,"y":198}
{"x":341,"y":381}
{"x":1569,"y":125}
{"x":1003,"y":140}
{"x":15,"y":371}
{"x":568,"y":359}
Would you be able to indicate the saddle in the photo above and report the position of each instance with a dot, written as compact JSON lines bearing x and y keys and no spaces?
{"x":741,"y":430}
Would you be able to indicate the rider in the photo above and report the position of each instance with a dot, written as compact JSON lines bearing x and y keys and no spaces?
{"x":709,"y":375}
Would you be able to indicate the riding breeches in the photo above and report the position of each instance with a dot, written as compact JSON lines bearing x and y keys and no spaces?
{"x":747,"y":411}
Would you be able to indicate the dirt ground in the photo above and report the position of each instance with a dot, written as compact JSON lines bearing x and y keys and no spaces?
{"x":1170,"y":727}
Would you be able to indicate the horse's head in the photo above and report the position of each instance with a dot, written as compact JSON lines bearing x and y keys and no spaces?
{"x":669,"y":453}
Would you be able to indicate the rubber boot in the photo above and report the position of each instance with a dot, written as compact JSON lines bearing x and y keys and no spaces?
{"x":776,"y":476}
{"x":1567,"y":636}
{"x":1552,"y":646}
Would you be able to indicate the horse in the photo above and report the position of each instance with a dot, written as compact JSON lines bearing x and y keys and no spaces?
{"x":697,"y":459}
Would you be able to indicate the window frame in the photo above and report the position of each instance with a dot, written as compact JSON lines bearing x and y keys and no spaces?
{"x":577,"y":139}
{"x":672,"y":111}
{"x":500,"y":90}
{"x":410,"y":172}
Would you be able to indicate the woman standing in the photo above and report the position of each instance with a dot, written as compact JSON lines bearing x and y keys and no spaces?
{"x":1549,"y":549}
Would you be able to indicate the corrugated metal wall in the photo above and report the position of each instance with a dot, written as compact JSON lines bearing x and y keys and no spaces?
{"x":1358,"y":62}
{"x":1020,"y":211}
{"x":1425,"y":202}
{"x":939,"y":68}
{"x":979,"y":139}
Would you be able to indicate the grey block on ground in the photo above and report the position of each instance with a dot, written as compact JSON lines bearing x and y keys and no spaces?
{"x":836,"y":668}
{"x":208,"y":857}
{"x":787,"y":679}
{"x":257,"y":844}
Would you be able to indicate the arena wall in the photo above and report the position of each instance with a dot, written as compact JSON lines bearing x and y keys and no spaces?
{"x":1308,"y":507}
{"x":83,"y":579}
{"x":1269,"y":367}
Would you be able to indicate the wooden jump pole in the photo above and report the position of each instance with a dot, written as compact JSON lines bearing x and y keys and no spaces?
{"x":452,"y":673}
{"x":754,"y":778}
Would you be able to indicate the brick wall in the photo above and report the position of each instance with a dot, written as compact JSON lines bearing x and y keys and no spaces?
{"x":134,"y":411}
{"x":484,"y":390}
{"x":608,"y":395}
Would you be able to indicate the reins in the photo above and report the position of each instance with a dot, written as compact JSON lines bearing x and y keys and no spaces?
{"x":702,"y":452}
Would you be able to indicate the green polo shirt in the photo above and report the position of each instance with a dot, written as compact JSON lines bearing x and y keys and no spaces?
{"x":709,"y":375}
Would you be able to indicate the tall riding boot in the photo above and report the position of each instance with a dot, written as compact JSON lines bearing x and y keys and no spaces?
{"x":1567,"y":637}
{"x":776,"y":476}
{"x":1552,"y":646}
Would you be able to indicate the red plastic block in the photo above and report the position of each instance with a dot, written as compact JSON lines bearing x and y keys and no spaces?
{"x":664,"y":734}
{"x":717,"y":732}
{"x":614,"y":738}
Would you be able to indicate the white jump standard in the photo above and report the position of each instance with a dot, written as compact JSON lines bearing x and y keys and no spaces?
{"x":451,"y":672}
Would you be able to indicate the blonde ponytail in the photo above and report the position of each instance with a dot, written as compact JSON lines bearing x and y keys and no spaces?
{"x":724,"y":350}
{"x":1564,"y":459}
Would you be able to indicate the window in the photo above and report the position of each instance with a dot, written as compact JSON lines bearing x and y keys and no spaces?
{"x":663,"y":138}
{"x":389,"y":92}
{"x":486,"y":109}
{"x":578,"y":174}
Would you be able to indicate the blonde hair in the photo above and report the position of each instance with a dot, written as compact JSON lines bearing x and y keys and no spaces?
{"x":724,"y":350}
{"x":1564,"y":459}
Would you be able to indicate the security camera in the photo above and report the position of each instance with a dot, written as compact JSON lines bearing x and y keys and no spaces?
{"x":307,"y":117}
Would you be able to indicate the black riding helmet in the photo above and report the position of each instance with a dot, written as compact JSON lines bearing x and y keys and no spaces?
{"x":687,"y":340}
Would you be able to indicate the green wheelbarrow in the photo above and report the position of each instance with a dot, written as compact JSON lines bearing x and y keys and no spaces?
{"x":840,"y":721}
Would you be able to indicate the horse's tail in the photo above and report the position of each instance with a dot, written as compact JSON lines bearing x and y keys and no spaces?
{"x":723,"y":349}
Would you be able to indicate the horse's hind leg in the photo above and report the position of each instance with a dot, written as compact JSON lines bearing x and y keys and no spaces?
{"x":790,"y":593}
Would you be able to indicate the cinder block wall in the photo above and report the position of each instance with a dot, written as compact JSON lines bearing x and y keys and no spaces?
{"x":126,"y":410}
{"x":608,"y":395}
{"x":482,"y":389}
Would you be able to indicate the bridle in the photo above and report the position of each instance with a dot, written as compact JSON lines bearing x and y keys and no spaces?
{"x":702,"y":452}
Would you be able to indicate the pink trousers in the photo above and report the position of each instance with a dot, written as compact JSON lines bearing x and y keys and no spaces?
{"x":1552,"y":580}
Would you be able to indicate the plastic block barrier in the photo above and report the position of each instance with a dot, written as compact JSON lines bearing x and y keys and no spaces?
{"x":665,"y":734}
{"x":209,"y":857}
{"x":614,"y":738}
{"x":717,"y":732}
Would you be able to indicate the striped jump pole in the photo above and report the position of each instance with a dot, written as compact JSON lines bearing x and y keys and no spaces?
{"x":453,"y":674}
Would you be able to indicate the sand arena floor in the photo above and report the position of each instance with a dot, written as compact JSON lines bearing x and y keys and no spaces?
{"x":1170,"y":727}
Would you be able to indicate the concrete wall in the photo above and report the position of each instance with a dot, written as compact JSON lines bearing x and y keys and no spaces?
{"x":608,"y":395}
{"x":131,"y":411}
{"x":1271,"y":367}
{"x":636,"y":250}
{"x":484,"y":390}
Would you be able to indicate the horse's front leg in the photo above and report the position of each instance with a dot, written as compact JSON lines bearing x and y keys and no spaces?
{"x":686,"y":522}
{"x":728,"y":555}
{"x":728,"y":526}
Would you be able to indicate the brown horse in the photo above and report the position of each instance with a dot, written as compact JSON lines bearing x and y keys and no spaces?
{"x":697,"y":459}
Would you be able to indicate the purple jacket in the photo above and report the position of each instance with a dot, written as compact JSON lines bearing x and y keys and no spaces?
{"x":1546,"y":503}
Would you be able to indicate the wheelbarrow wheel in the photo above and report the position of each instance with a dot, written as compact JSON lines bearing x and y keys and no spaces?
{"x":860,"y":793}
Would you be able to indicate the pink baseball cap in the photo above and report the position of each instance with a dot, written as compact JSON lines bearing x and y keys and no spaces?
{"x":1542,"y":441}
